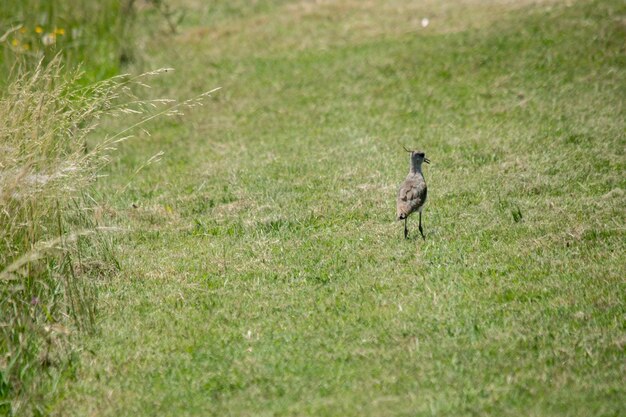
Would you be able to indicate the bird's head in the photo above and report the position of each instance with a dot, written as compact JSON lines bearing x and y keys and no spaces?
{"x":417,"y":157}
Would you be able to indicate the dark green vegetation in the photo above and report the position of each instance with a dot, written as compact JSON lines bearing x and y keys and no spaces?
{"x":265,"y":274}
{"x":97,"y":35}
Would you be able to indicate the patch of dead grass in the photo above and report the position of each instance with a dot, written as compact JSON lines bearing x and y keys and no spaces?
{"x":345,"y":22}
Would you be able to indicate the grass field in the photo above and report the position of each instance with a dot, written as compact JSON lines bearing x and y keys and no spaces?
{"x":265,"y":274}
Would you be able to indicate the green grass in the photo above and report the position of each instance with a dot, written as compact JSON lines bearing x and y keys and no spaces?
{"x":265,"y":274}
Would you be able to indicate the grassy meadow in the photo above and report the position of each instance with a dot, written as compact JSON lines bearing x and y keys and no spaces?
{"x":264,"y":274}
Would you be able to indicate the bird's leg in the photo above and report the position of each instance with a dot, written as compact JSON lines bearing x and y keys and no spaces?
{"x":406,"y":231}
{"x":421,"y":230}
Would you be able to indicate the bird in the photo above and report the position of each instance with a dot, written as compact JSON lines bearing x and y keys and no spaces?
{"x":413,"y":191}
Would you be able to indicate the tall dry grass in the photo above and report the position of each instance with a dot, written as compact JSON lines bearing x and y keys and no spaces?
{"x":54,"y":248}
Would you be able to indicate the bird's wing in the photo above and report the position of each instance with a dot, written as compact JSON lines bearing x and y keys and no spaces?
{"x":411,"y":196}
{"x":416,"y":192}
{"x":402,"y":194}
{"x":407,"y":189}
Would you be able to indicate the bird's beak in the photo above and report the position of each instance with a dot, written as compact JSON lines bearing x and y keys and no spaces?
{"x":427,"y":160}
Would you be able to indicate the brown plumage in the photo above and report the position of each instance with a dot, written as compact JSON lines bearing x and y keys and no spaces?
{"x":413,"y":191}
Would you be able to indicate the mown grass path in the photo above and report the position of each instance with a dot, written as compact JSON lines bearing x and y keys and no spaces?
{"x":266,"y":275}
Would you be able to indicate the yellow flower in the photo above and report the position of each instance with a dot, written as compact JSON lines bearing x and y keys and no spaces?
{"x":15,"y":42}
{"x":38,"y":29}
{"x":59,"y":31}
{"x":26,"y":47}
{"x":22,"y":29}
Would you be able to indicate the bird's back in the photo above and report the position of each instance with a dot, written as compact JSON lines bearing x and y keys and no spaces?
{"x":412,"y":195}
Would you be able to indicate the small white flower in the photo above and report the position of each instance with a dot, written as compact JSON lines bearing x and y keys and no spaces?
{"x":425,"y":22}
{"x":48,"y":39}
